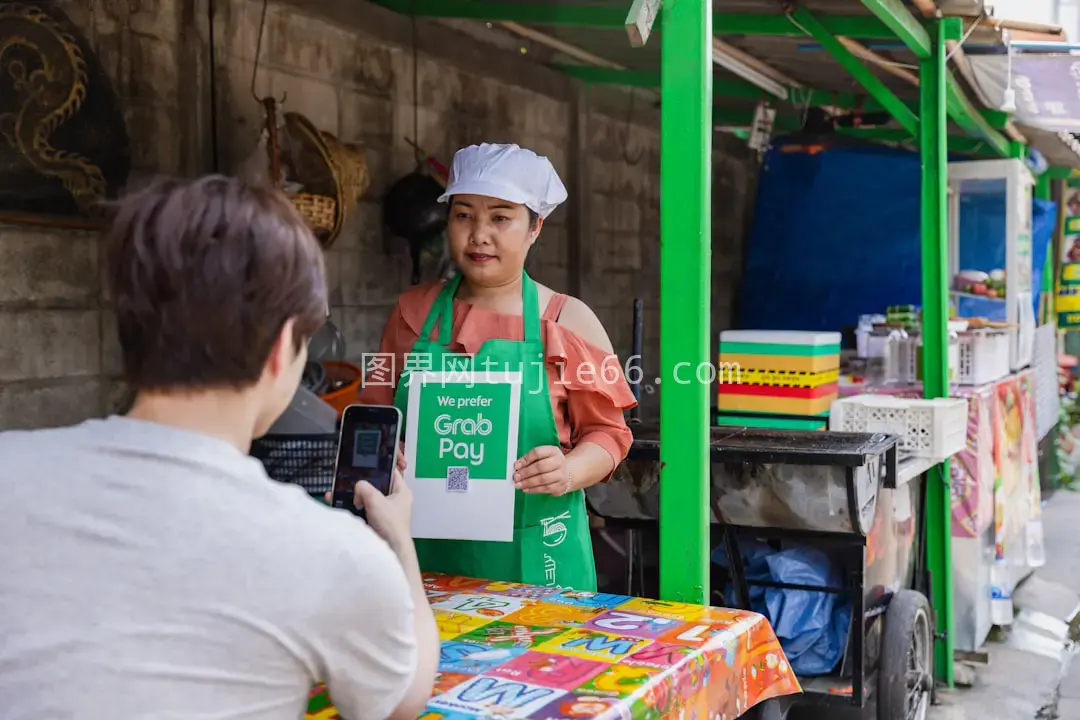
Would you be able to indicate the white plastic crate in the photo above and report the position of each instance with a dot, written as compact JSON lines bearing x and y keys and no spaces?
{"x":984,"y":356}
{"x":903,"y":362}
{"x":934,"y":429}
{"x":979,"y":357}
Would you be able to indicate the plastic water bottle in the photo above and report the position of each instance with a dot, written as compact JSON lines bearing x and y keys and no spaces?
{"x":1033,"y":541}
{"x":1001,"y":605}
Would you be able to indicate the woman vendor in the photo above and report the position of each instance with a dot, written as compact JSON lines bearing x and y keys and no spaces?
{"x":572,"y":433}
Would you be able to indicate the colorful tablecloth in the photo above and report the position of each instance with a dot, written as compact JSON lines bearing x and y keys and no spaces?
{"x":517,"y":651}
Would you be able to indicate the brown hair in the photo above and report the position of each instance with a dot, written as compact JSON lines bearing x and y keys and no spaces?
{"x":204,"y":274}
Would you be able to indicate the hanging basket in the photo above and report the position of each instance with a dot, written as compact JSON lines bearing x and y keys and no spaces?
{"x":319,"y":211}
{"x":333,"y":174}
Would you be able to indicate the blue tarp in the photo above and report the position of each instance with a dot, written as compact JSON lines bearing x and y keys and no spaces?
{"x":812,"y":625}
{"x":836,"y":234}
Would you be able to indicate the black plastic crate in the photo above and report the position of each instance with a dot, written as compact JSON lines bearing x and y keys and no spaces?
{"x":304,"y":460}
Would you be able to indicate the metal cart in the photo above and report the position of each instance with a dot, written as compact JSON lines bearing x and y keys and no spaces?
{"x":844,"y":493}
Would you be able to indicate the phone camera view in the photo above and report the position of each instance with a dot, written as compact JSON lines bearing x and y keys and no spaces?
{"x":367,"y":453}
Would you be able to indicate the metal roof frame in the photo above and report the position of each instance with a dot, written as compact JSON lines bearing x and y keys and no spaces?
{"x":849,"y":56}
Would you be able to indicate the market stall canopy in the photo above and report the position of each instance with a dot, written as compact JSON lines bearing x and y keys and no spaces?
{"x":856,"y":59}
{"x":1046,"y":87}
{"x":1060,"y":149}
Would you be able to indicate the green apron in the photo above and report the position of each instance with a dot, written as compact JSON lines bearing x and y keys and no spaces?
{"x":552,"y":544}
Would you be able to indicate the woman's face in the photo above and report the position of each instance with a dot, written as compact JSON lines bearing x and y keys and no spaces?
{"x":490,"y":238}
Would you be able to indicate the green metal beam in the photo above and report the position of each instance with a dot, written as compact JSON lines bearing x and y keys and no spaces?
{"x":971,"y":120}
{"x":614,"y":17}
{"x":869,"y":81}
{"x":685,"y":277}
{"x":777,"y":25}
{"x":910,"y":30}
{"x":1061,"y":173}
{"x":995,"y":118}
{"x":933,"y":74}
{"x":906,"y":27}
{"x":957,"y":143}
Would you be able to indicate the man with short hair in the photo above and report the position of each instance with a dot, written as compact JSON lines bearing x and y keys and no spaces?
{"x":150,"y":568}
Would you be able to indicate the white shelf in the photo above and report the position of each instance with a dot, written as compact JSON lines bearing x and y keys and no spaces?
{"x":958,"y":293}
{"x":912,"y":468}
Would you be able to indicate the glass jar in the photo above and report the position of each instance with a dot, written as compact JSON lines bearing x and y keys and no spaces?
{"x":896,"y":365}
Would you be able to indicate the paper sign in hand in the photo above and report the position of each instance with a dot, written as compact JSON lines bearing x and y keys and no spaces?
{"x":461,"y":445}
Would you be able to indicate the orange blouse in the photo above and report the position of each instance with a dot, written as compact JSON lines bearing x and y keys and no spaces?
{"x":588,"y":388}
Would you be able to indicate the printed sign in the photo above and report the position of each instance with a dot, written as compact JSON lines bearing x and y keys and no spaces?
{"x":1067,"y":302}
{"x":461,"y":445}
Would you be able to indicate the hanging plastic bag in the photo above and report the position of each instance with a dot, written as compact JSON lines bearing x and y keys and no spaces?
{"x":812,"y":625}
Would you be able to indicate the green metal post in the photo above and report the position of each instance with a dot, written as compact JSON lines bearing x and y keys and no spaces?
{"x":685,"y":274}
{"x":935,"y":308}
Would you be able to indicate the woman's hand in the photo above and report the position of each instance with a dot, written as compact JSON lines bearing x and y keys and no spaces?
{"x":401,"y":464}
{"x":543,"y":470}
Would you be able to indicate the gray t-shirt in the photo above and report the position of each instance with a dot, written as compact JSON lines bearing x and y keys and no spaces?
{"x":150,"y":572}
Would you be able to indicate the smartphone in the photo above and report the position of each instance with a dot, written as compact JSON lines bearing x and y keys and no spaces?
{"x":367,"y":450}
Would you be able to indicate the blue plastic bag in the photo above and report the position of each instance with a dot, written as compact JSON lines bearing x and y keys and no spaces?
{"x":812,"y":626}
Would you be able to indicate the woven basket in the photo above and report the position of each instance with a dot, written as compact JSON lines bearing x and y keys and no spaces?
{"x":329,"y":169}
{"x":350,"y":168}
{"x":319,"y":211}
{"x":333,"y":175}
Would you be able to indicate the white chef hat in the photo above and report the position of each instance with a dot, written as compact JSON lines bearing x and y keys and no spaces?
{"x":507,"y":172}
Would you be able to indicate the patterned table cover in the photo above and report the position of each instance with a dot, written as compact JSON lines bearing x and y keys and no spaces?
{"x":522,"y":652}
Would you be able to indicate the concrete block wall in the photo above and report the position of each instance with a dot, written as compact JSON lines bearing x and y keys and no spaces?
{"x":349,"y":67}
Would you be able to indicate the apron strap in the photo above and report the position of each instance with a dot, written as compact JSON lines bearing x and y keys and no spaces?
{"x":442,"y":310}
{"x":530,"y":308}
{"x":443,"y":306}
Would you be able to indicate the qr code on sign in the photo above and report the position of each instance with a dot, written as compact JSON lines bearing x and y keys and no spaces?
{"x":457,"y":479}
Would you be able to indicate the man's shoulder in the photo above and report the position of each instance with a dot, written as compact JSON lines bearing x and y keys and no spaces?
{"x":28,"y":445}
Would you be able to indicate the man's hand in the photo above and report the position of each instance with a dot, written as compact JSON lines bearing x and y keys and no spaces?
{"x":388,"y":515}
{"x":542,"y":470}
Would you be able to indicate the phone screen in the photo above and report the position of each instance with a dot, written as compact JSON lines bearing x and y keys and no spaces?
{"x":367,"y":451}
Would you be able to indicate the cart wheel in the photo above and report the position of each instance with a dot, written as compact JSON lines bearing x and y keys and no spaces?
{"x":906,"y":677}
